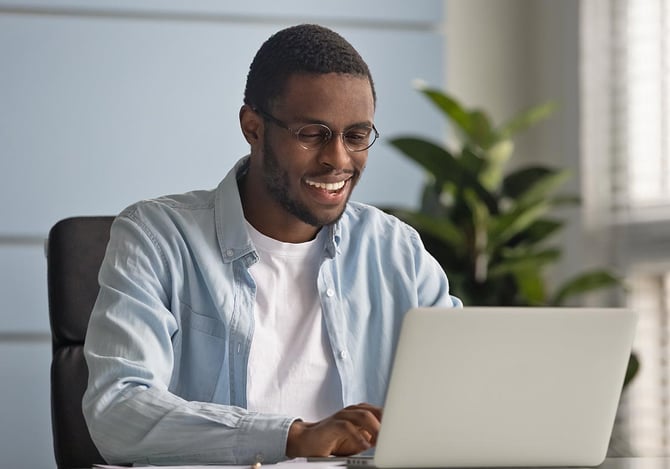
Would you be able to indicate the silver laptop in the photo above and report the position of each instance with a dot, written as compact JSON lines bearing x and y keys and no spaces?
{"x":504,"y":387}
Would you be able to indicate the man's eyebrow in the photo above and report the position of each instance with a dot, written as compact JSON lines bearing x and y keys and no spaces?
{"x":367,"y":124}
{"x":308,"y":120}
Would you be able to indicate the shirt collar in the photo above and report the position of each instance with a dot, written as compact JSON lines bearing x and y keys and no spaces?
{"x":234,"y":241}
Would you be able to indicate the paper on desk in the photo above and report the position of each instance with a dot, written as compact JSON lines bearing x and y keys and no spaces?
{"x":297,"y":463}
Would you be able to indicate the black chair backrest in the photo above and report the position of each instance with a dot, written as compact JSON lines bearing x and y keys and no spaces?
{"x":75,"y":249}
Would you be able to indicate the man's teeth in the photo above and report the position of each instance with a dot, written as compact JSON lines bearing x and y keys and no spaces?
{"x":329,"y":186}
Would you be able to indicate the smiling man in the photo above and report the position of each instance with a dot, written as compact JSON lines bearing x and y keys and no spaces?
{"x":257,"y":321}
{"x":306,"y":170}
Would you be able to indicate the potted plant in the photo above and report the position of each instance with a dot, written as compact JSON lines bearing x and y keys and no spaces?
{"x":488,"y":227}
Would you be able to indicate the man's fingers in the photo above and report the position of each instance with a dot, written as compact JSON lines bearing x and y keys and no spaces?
{"x":351,"y":430}
{"x":352,"y":439}
{"x":367,"y":435}
{"x":375,"y":410}
{"x":361,"y":417}
{"x":364,"y":419}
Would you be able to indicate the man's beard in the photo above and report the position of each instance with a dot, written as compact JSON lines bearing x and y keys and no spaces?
{"x":277,"y":183}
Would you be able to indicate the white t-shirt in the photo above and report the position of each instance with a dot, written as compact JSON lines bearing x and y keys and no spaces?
{"x":291,"y":368}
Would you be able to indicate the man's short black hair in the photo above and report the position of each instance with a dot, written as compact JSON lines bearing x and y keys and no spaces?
{"x":302,"y":49}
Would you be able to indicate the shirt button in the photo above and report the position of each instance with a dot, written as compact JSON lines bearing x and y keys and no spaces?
{"x":229,"y":253}
{"x":330,"y":292}
{"x":343,"y":354}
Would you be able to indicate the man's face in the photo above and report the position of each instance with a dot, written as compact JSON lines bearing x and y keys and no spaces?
{"x":314,"y":185}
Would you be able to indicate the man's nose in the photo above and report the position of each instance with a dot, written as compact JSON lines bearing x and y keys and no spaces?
{"x":334,"y":153}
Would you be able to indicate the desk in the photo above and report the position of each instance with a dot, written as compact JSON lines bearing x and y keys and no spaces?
{"x":636,"y":463}
{"x":299,"y":463}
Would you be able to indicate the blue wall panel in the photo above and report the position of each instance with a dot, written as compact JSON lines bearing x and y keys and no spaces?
{"x":102,"y":112}
{"x":107,"y":102}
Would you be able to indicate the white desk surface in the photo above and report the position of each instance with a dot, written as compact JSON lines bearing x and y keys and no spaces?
{"x":300,"y":463}
{"x":636,"y":463}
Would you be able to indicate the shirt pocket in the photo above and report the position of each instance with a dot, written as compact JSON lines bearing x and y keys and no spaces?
{"x":201,"y":345}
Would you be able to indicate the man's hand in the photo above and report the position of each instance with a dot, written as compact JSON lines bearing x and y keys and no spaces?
{"x":349,"y":431}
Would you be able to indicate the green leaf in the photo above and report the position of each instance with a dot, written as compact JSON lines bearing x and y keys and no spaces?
{"x":451,"y":109}
{"x":523,"y":260}
{"x":433,"y":158}
{"x":443,"y":166}
{"x":510,"y":224}
{"x":537,"y":232}
{"x":543,"y":186}
{"x":526,"y":119}
{"x":481,"y":133}
{"x":531,"y":286}
{"x":496,"y":158}
{"x":440,"y":228}
{"x":532,"y":183}
{"x":585,"y":282}
{"x":474,"y":126}
{"x":632,"y":369}
{"x":472,"y":161}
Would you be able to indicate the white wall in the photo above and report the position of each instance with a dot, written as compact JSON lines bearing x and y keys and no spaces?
{"x":508,"y":55}
{"x":104,"y":103}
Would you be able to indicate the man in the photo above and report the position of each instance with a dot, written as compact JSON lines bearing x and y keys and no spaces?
{"x":257,"y":321}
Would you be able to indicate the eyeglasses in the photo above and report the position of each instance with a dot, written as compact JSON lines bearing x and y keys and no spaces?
{"x":315,"y":136}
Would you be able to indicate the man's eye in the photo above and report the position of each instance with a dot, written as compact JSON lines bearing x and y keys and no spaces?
{"x":358,"y":136}
{"x":355,"y":137}
{"x":314,"y":133}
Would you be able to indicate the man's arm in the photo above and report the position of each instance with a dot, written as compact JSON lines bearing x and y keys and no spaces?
{"x":432,"y":285}
{"x":131,"y":414}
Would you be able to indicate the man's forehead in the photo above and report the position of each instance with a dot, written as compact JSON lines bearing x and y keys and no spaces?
{"x":312,"y":89}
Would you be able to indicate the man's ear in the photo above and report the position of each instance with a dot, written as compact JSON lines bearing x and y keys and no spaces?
{"x":251,"y":124}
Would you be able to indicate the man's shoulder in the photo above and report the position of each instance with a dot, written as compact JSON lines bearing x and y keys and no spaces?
{"x":186,"y":212}
{"x":192,"y":201}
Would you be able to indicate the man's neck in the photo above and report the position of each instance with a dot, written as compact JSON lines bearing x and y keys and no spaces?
{"x":271,"y":220}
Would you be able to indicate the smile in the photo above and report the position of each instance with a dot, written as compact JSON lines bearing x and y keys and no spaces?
{"x":328,"y":186}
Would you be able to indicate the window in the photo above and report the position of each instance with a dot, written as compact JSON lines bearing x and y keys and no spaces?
{"x":645,"y":410}
{"x":641,"y":66}
{"x":625,"y":85}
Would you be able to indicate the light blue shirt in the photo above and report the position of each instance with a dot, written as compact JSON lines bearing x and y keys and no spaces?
{"x":169,"y":337}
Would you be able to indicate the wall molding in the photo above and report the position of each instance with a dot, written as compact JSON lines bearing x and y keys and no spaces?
{"x":24,"y":337}
{"x":215,"y":16}
{"x":21,"y":240}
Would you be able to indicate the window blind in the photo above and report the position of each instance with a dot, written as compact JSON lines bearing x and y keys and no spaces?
{"x":642,"y":61}
{"x":645,"y":407}
{"x":625,"y":95}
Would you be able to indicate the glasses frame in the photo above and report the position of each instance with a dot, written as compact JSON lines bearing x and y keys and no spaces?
{"x":296,"y":132}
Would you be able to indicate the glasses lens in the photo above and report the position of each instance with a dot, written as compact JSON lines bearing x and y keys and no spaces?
{"x":360,"y":138}
{"x":314,"y":135}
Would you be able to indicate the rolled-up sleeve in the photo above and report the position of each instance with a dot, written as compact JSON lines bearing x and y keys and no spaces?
{"x":432,"y":284}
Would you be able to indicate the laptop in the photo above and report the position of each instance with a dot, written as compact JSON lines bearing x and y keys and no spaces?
{"x":504,"y":387}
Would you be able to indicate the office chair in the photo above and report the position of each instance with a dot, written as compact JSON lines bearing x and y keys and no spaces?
{"x":74,"y":250}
